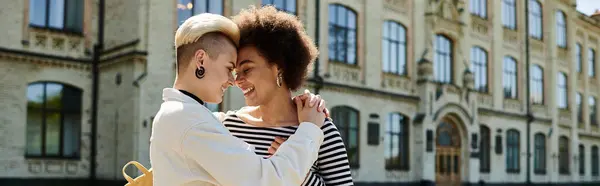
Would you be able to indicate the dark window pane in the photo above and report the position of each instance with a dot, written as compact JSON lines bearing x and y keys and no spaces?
{"x":57,"y":13}
{"x":71,"y":100}
{"x":37,"y":12}
{"x":34,"y":132}
{"x":53,"y":120}
{"x":74,"y":16}
{"x":71,"y":136}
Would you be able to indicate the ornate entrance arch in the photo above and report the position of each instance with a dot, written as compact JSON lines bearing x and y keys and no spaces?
{"x":448,"y":153}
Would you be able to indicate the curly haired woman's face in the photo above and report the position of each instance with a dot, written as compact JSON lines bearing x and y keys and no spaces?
{"x":255,"y":76}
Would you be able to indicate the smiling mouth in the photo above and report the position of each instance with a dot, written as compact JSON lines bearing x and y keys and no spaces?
{"x":248,"y":90}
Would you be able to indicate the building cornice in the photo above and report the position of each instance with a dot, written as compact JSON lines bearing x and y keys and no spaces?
{"x":44,"y":59}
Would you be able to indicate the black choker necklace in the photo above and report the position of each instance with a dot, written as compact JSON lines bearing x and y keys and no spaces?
{"x":192,"y":96}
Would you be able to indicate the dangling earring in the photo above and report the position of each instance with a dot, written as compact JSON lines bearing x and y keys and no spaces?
{"x":200,"y":72}
{"x":279,"y":80}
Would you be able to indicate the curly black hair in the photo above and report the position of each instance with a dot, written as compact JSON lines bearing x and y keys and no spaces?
{"x":280,"y":38}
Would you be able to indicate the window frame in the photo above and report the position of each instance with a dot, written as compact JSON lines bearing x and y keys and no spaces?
{"x":539,"y":153}
{"x":595,"y":161}
{"x":579,"y":104}
{"x":387,"y":42}
{"x":65,"y":28}
{"x":448,"y":76}
{"x":346,"y":129}
{"x":591,"y":58}
{"x":485,"y":149}
{"x":562,"y":93}
{"x":403,"y":141}
{"x":512,"y":75}
{"x":561,"y":29}
{"x":479,"y":8}
{"x":581,"y":159}
{"x":579,"y":58}
{"x":346,"y":28}
{"x":592,"y":103}
{"x":563,"y":156}
{"x":284,"y":9}
{"x":62,"y":111}
{"x":509,"y":20}
{"x":537,"y":85}
{"x":479,"y":67}
{"x":536,"y":17}
{"x":514,"y":147}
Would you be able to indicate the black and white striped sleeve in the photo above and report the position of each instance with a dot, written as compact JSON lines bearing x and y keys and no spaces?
{"x":333,"y":164}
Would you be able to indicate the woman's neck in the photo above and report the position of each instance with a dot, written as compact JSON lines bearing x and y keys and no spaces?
{"x":278,"y":111}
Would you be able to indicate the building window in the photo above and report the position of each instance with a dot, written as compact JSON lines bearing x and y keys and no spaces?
{"x":561,"y":92}
{"x":592,"y":103}
{"x":342,"y":34}
{"x":509,"y":14}
{"x":396,"y":142}
{"x":53,"y":120}
{"x":595,"y":166}
{"x":394,"y":48}
{"x":479,"y":68}
{"x":346,"y":120}
{"x":581,"y":160}
{"x":64,"y":15}
{"x":563,"y":155}
{"x":484,"y":161}
{"x":535,"y":19}
{"x":442,"y":61}
{"x":578,"y":57}
{"x":591,"y":62}
{"x":561,"y":29}
{"x":189,"y":8}
{"x":479,"y":8}
{"x":509,"y":77}
{"x":537,"y":85}
{"x":512,"y":151}
{"x":579,"y":107}
{"x":539,"y":157}
{"x":288,"y":6}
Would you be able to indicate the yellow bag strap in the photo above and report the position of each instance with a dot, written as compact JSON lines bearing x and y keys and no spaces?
{"x":136,"y":164}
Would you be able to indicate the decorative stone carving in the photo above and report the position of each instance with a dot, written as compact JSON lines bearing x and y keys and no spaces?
{"x":468,"y":79}
{"x":425,"y":68}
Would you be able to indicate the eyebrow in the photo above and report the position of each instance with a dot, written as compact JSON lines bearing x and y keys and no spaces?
{"x":244,"y":62}
{"x":232,"y":64}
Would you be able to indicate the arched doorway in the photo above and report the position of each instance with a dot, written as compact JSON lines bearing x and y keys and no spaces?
{"x":448,"y":153}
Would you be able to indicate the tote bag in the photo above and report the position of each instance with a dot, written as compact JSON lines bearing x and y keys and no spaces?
{"x":143,"y":180}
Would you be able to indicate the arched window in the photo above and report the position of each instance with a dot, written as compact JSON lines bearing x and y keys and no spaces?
{"x":578,"y":101}
{"x":442,"y":61}
{"x":509,"y":77}
{"x":592,"y":103}
{"x":288,"y":6}
{"x":509,"y":14}
{"x":394,"y":48}
{"x":479,"y":68}
{"x":53,"y":120}
{"x":342,"y":34}
{"x":561,"y":91}
{"x":535,"y":19}
{"x":484,"y":161}
{"x":396,"y":142}
{"x":347,"y":121}
{"x":537,"y":85}
{"x":561,"y":29}
{"x":539,"y":156}
{"x":563,"y":155}
{"x":189,"y":8}
{"x":512,"y":151}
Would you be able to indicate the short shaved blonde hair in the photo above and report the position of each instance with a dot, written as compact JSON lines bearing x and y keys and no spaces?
{"x":206,"y":31}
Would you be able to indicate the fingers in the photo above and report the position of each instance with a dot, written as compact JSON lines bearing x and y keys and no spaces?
{"x":280,"y":140}
{"x":299,"y":104}
{"x":276,"y":144}
{"x":271,"y":150}
{"x":321,"y":107}
{"x":326,"y":112}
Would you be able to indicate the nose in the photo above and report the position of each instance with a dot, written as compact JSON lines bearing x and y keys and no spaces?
{"x":238,"y":79}
{"x":230,"y":79}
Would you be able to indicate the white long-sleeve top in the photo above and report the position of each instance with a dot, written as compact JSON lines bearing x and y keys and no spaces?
{"x":189,"y":146}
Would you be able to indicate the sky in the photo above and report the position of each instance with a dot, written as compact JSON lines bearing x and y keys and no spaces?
{"x":588,"y":7}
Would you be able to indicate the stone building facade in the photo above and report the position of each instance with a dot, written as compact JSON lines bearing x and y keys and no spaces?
{"x":424,"y":92}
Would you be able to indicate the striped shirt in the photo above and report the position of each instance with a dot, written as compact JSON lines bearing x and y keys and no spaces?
{"x":331,"y":167}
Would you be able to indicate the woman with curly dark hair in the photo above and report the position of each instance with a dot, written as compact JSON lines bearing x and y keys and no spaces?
{"x":274,"y":57}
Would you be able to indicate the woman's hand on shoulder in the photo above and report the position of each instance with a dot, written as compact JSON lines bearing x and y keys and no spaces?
{"x":307,"y":112}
